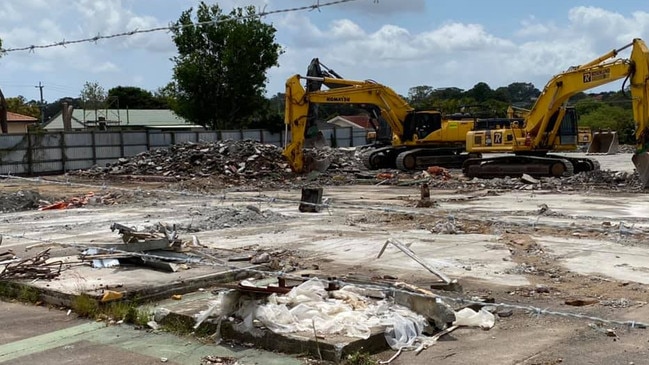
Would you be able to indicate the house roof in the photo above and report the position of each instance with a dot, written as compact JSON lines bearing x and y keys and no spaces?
{"x":354,"y":121}
{"x":15,"y":117}
{"x":82,"y":118}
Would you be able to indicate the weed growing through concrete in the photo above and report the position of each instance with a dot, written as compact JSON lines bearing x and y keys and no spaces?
{"x":360,"y":358}
{"x":184,"y":326}
{"x":179,"y":325}
{"x":85,"y":306}
{"x":23,"y":293}
{"x":28,"y":294}
{"x":127,"y":311}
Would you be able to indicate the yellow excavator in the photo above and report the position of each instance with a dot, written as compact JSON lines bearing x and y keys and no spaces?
{"x":551,"y":126}
{"x":418,"y":139}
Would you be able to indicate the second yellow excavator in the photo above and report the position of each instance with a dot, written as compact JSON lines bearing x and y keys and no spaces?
{"x":551,"y":126}
{"x":418,"y":138}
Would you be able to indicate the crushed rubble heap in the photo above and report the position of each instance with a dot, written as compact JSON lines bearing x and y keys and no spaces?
{"x":19,"y":201}
{"x":600,"y":179}
{"x":249,"y":164}
{"x":232,"y":160}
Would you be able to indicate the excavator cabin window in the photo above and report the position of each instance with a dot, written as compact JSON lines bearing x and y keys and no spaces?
{"x":421,"y":124}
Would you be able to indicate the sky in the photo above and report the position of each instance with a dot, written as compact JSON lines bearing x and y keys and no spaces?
{"x":399,"y":43}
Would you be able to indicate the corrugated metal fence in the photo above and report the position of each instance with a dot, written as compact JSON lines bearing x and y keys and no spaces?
{"x":56,"y":152}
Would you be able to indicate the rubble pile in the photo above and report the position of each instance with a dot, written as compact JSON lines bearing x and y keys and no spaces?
{"x":226,"y":217}
{"x":626,"y":148}
{"x":233,"y":159}
{"x":600,"y":179}
{"x":19,"y":201}
{"x":606,"y":177}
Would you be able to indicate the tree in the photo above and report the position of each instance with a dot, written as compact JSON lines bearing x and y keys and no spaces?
{"x":136,"y":98}
{"x":480,"y":92}
{"x":20,"y":105}
{"x":220,"y":70}
{"x":611,"y":117}
{"x":523,"y":92}
{"x":419,"y":97}
{"x":93,"y":96}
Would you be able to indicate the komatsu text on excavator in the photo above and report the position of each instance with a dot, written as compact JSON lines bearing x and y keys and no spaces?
{"x":418,"y":138}
{"x":551,"y":126}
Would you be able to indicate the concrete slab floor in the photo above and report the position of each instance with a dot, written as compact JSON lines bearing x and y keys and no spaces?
{"x":338,"y":235}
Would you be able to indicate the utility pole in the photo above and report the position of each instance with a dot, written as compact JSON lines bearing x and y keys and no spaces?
{"x":40,"y":87}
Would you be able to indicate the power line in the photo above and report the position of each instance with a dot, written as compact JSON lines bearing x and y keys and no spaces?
{"x":172,"y":27}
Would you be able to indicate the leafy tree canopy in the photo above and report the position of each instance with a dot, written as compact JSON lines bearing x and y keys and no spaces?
{"x":220,"y":70}
{"x":20,"y":105}
{"x":136,"y":98}
{"x":93,"y":96}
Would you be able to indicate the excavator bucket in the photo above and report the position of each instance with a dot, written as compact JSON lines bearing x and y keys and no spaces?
{"x":316,"y":157}
{"x":604,"y":142}
{"x":641,"y":162}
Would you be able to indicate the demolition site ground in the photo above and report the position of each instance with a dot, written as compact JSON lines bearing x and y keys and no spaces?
{"x":560,"y":263}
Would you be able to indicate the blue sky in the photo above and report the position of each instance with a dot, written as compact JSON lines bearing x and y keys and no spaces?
{"x":400,"y":43}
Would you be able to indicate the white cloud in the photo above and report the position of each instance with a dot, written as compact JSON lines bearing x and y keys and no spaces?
{"x":459,"y":54}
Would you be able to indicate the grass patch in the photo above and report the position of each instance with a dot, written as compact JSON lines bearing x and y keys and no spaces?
{"x":85,"y":306}
{"x":28,"y":294}
{"x":179,"y":325}
{"x":184,"y":326}
{"x":127,"y":311}
{"x":360,"y":358}
{"x":20,"y":292}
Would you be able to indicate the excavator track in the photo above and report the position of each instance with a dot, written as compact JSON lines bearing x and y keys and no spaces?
{"x":516,"y":166}
{"x":580,"y":164}
{"x":408,"y":159}
{"x":379,"y":158}
{"x":422,"y":158}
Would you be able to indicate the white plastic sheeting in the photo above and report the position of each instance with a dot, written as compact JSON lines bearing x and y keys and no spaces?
{"x":309,"y":307}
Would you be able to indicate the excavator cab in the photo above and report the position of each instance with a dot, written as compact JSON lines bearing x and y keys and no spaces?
{"x":418,"y":125}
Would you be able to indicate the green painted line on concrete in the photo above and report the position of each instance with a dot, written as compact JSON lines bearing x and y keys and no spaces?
{"x":180,"y":350}
{"x":47,"y":341}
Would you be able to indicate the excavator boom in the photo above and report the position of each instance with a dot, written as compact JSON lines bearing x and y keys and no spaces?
{"x":639,"y":78}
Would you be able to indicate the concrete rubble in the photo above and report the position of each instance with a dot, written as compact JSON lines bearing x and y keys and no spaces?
{"x":232,"y":161}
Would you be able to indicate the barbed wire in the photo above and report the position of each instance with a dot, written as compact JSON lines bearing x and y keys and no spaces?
{"x":392,"y":289}
{"x":173,"y":27}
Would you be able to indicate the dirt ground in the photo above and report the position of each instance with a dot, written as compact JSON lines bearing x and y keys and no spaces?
{"x":577,"y":252}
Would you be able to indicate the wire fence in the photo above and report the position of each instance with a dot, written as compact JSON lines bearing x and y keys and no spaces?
{"x":223,"y":195}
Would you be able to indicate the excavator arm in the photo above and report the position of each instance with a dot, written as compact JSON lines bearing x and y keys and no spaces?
{"x":640,"y":99}
{"x":561,"y":88}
